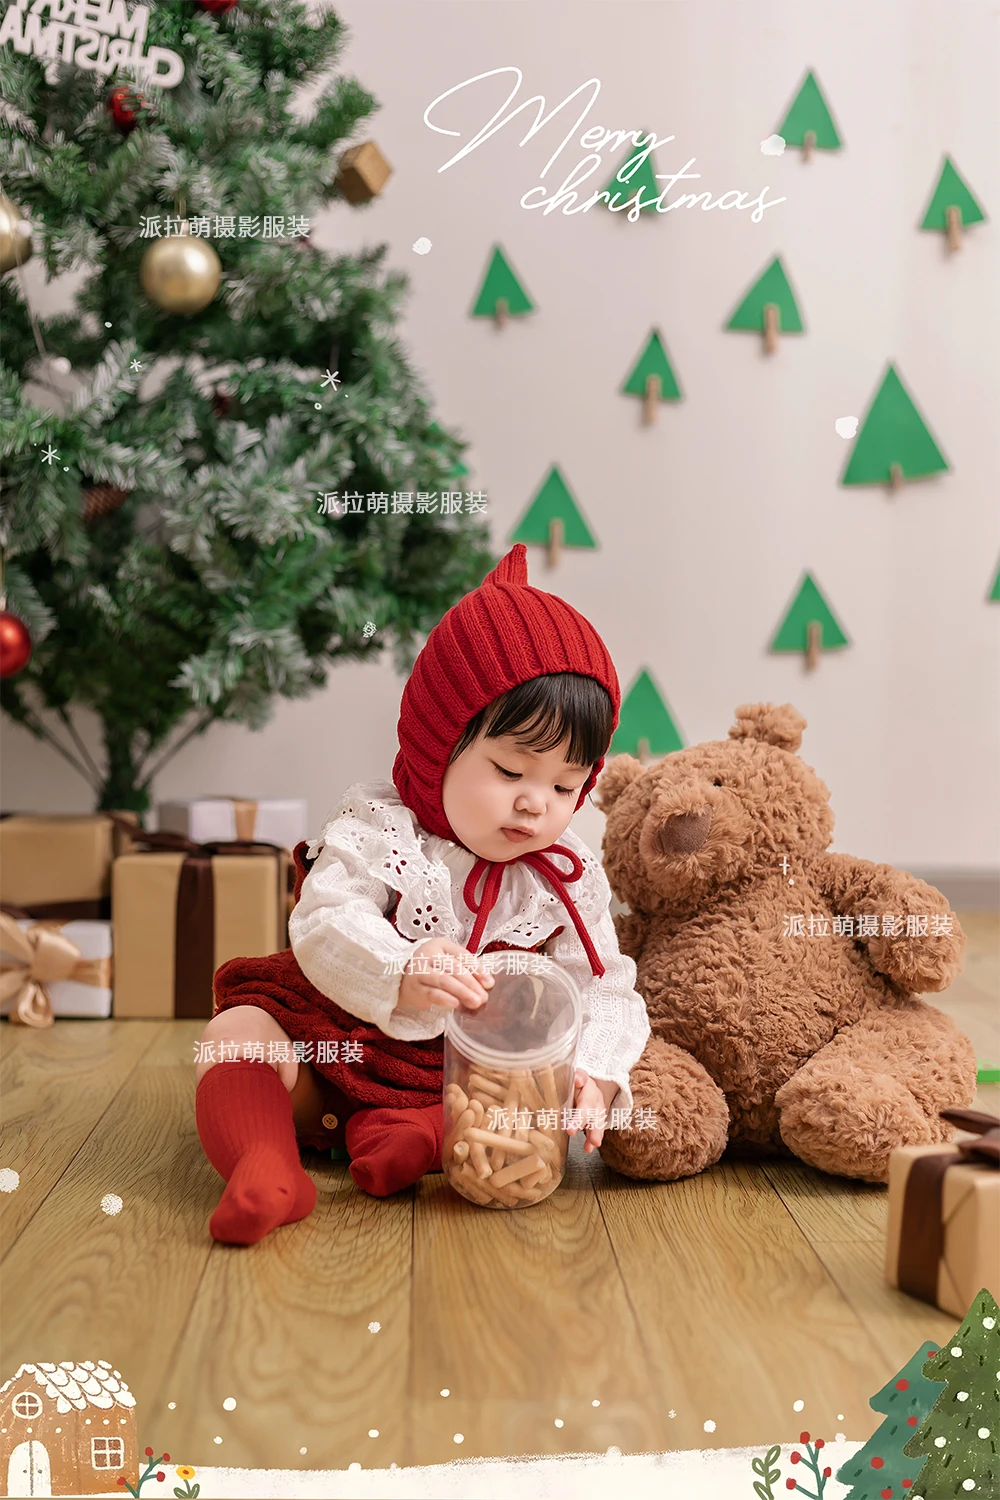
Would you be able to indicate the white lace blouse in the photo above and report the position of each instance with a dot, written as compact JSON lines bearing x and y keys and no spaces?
{"x":372,"y":847}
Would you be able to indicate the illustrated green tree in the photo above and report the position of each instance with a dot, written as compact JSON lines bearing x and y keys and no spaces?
{"x":553,"y":502}
{"x":645,"y":724}
{"x":960,"y":1436}
{"x":809,"y":113}
{"x":653,"y":364}
{"x":173,"y":561}
{"x":808,"y":608}
{"x":500,"y":286}
{"x":951,"y":191}
{"x":634,"y":178}
{"x":771,"y":289}
{"x":893,"y":439}
{"x":880,"y":1470}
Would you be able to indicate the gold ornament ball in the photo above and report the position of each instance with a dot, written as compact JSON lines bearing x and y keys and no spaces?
{"x":181,"y":273}
{"x":15,"y":235}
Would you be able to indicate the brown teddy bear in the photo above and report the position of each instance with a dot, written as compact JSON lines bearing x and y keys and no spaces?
{"x":768,"y":1034}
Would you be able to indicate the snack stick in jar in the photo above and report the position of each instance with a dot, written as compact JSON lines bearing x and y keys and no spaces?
{"x":500,"y":1194}
{"x":470,"y":1184}
{"x":546,"y":1145}
{"x":460,"y":1150}
{"x":528,"y":1090}
{"x":488,"y":1138}
{"x":477,"y":1155}
{"x":485,"y":1085}
{"x":458,"y":1130}
{"x":476,"y":1105}
{"x":457,"y":1097}
{"x":545,"y":1081}
{"x":516,"y":1170}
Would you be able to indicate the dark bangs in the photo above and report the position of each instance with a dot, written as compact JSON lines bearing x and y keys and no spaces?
{"x":542,"y":712}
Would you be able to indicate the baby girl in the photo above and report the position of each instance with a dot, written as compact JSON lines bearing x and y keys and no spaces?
{"x":503,"y":728}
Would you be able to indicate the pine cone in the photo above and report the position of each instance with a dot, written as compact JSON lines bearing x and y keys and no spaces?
{"x":102,"y":500}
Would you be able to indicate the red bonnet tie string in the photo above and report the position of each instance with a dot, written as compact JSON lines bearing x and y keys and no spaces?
{"x":557,"y":878}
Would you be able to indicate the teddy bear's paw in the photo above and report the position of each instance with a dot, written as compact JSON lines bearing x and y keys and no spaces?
{"x":919,"y":965}
{"x":690,"y":1115}
{"x":849,"y":1123}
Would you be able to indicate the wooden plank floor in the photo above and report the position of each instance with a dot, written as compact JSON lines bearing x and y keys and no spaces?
{"x":725,"y":1298}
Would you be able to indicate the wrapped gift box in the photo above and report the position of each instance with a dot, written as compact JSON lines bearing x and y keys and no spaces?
{"x":57,"y":866}
{"x":944,"y":1216}
{"x":209,"y":820}
{"x":54,"y":969}
{"x":181,"y":909}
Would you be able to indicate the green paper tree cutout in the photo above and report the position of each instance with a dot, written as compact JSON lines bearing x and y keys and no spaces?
{"x":994,"y":594}
{"x":810,"y":111}
{"x":772,"y":287}
{"x":501,"y":284}
{"x":645,"y":716}
{"x":642,"y":180}
{"x":967,"y":1414}
{"x":880,"y":1468}
{"x":892,"y":433}
{"x":653,"y":361}
{"x":951,"y":191}
{"x":553,"y":502}
{"x":808,"y":607}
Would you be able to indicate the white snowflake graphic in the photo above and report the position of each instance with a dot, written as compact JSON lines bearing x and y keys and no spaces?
{"x":374,"y":1327}
{"x":421,"y":246}
{"x":331,"y":378}
{"x":773,"y":145}
{"x":9,"y":1180}
{"x":50,"y":455}
{"x":111,"y":1203}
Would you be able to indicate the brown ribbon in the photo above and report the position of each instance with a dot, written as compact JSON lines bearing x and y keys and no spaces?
{"x":41,"y":955}
{"x":921,"y":1234}
{"x":194,"y":929}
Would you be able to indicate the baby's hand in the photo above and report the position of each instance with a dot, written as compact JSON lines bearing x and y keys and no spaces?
{"x":445,"y":974}
{"x":589,"y":1094}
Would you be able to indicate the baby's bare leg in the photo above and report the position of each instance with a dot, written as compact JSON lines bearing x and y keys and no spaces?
{"x":242,"y":1025}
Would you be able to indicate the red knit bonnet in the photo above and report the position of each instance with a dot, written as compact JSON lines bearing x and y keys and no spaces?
{"x":501,"y":634}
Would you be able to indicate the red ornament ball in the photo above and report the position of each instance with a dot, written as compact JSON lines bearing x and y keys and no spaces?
{"x":902,"y":1385}
{"x":216,"y":7}
{"x":878,"y":1463}
{"x":15,"y":644}
{"x":911,"y":1421}
{"x":123,"y":105}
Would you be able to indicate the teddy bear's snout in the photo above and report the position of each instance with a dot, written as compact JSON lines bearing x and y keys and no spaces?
{"x":684,"y":833}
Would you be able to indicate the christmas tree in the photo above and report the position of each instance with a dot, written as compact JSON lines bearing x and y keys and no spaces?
{"x":880,"y":1470}
{"x":960,"y":1437}
{"x":645,"y":726}
{"x":221,"y":472}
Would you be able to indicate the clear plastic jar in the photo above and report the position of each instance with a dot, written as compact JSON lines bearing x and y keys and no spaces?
{"x":508,"y":1076}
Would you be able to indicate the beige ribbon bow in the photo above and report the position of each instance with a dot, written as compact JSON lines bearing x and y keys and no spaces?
{"x":42,"y":954}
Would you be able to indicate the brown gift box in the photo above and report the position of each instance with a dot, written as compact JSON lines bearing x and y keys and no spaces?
{"x":59,"y":866}
{"x":944,"y":1216}
{"x":181,"y":909}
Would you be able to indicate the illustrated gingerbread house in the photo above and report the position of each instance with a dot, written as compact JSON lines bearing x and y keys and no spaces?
{"x":66,"y":1429}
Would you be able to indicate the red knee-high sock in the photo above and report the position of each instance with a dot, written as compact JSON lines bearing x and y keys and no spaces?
{"x":393,"y":1148}
{"x":244,"y":1118}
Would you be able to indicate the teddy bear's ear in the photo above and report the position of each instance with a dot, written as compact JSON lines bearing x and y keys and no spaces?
{"x":616,"y":776}
{"x":772,"y":723}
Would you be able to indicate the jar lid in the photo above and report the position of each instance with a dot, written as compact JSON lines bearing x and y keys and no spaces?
{"x":532,"y":1018}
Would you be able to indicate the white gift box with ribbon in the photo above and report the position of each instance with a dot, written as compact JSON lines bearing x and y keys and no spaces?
{"x":54,"y":969}
{"x":213,"y":820}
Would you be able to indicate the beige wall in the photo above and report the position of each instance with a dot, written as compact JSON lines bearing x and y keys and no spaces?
{"x":707,"y":520}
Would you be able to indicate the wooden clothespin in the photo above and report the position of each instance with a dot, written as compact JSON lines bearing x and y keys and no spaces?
{"x":500,"y":314}
{"x":556,"y":534}
{"x":895,"y":477}
{"x":814,"y":643}
{"x":772,"y":323}
{"x":651,"y":401}
{"x":953,"y":219}
{"x":808,"y":145}
{"x":644,"y":755}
